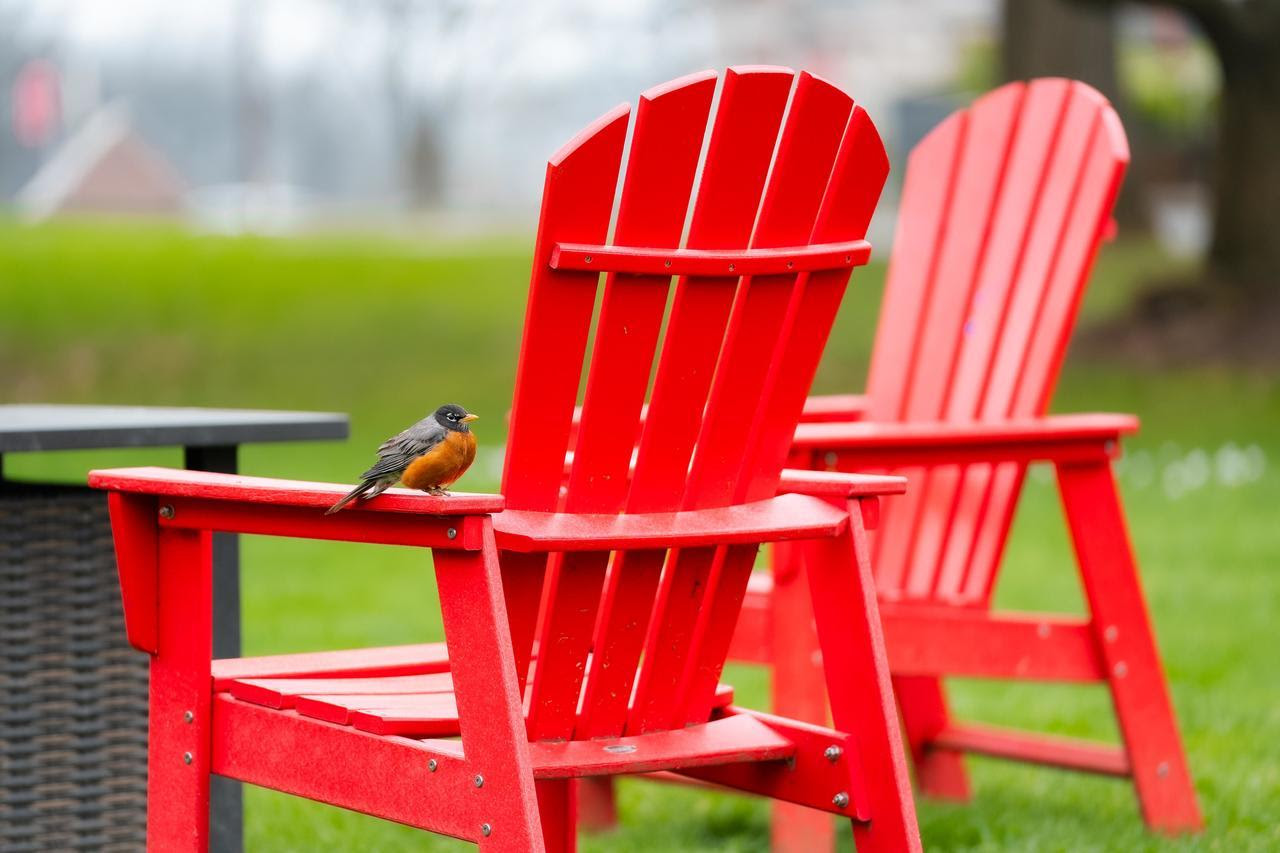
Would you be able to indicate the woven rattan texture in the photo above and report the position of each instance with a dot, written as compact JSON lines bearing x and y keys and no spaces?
{"x":73,"y":695}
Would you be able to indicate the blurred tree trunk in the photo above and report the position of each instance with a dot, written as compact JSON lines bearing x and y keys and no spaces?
{"x":1061,"y":38}
{"x":1244,"y":255}
{"x":1057,"y":38}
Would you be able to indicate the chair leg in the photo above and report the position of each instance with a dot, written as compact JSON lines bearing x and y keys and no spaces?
{"x":940,"y":772}
{"x":179,"y":728}
{"x":843,"y":594}
{"x":557,"y":809}
{"x":597,"y":803}
{"x":798,"y":692}
{"x":494,"y":739}
{"x":1138,"y":690}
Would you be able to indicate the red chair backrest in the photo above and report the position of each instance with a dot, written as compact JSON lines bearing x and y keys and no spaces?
{"x":789,"y":161}
{"x":1003,"y":209}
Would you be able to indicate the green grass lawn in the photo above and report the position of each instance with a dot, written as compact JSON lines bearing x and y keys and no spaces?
{"x":387,"y":330}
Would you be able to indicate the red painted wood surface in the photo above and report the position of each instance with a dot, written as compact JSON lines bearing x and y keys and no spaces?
{"x":178,"y":753}
{"x":810,"y":778}
{"x":283,"y":692}
{"x":175,"y":482}
{"x":1039,"y":434}
{"x":1123,"y":632}
{"x":486,"y":688}
{"x":790,"y":516}
{"x":834,"y":407}
{"x":730,"y":740}
{"x":393,"y":779}
{"x":708,"y":262}
{"x":133,"y":523}
{"x":933,"y":640}
{"x":415,"y":659}
{"x":1003,"y":209}
{"x":1068,"y":753}
{"x":618,"y":637}
{"x":355,"y":525}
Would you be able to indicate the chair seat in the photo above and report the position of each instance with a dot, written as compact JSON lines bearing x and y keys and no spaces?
{"x":417,"y":700}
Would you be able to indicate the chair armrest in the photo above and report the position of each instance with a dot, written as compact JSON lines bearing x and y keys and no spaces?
{"x":144,"y":502}
{"x":844,"y":408}
{"x":1057,"y":438}
{"x":179,"y":483}
{"x":772,"y":520}
{"x":837,"y":484}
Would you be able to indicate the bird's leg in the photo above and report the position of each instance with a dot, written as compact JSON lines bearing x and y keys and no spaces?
{"x":438,"y":491}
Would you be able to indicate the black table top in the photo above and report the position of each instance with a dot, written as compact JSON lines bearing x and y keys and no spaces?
{"x":30,"y":427}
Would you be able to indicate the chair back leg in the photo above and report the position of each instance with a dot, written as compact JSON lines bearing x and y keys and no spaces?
{"x":558,"y":811}
{"x":940,"y":772}
{"x":1109,"y":574}
{"x":597,"y":803}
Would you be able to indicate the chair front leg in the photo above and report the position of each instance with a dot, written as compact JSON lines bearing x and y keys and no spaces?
{"x":179,"y":728}
{"x":798,"y":691}
{"x":1124,"y":636}
{"x":490,"y":716}
{"x":857,"y":671}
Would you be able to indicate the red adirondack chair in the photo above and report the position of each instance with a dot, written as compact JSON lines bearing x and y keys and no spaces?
{"x":1003,"y":209}
{"x":586,"y":626}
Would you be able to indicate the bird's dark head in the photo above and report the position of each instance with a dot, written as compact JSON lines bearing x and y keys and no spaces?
{"x":454,"y":417}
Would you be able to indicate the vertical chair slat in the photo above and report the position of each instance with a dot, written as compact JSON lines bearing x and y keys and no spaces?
{"x":1043,"y":110}
{"x":1104,"y":170}
{"x":577,"y":202}
{"x":666,"y":142}
{"x":1026,"y":305}
{"x":926,"y":196}
{"x":848,"y":201}
{"x":802,"y":166}
{"x":983,"y":161}
{"x":737,"y":163}
{"x":1094,"y":195}
{"x":801,"y":170}
{"x":742,"y":140}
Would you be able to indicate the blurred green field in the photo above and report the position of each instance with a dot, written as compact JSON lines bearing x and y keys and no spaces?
{"x":386,"y":330}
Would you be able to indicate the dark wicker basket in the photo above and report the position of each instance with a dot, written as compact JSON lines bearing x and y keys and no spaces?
{"x":73,"y":694}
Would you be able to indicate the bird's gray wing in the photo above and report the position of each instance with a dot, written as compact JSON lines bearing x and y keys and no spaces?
{"x":397,"y":452}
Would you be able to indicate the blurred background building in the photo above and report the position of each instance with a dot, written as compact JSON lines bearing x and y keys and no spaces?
{"x":274,"y":115}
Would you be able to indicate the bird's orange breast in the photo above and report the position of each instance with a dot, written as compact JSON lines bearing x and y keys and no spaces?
{"x":443,"y":464}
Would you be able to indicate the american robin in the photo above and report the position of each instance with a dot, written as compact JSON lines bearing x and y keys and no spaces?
{"x":429,"y":455}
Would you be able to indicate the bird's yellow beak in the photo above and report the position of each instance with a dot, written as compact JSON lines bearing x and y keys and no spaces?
{"x":468,"y":418}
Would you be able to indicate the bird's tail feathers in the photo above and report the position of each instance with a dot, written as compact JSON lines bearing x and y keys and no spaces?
{"x":358,"y":492}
